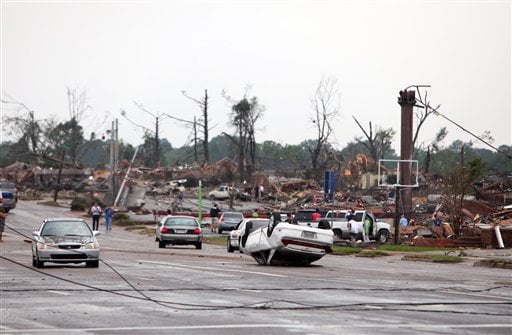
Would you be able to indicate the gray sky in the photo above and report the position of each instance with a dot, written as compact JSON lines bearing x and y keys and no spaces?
{"x":120,"y":52}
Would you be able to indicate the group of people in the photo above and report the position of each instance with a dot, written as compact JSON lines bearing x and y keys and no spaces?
{"x":96,"y":211}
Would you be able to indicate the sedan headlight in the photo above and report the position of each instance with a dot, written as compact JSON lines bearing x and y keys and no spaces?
{"x":45,"y":244}
{"x":92,"y":245}
{"x":41,"y":246}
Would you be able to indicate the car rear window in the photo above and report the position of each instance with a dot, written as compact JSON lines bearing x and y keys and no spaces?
{"x":233,"y":216}
{"x":180,"y":222}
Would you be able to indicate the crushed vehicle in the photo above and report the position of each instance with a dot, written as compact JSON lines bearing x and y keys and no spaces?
{"x":171,"y":186}
{"x":282,"y":243}
{"x":65,"y":240}
{"x":336,"y":220}
{"x":234,"y":236}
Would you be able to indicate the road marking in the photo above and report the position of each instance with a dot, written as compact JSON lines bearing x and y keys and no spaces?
{"x":343,"y":327}
{"x":213,"y":269}
{"x":60,"y":292}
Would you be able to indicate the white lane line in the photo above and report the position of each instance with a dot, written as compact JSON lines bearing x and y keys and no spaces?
{"x":212,"y":269}
{"x":60,"y":292}
{"x":343,"y":327}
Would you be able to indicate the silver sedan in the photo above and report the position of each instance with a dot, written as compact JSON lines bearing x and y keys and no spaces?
{"x":179,"y":230}
{"x":65,"y":240}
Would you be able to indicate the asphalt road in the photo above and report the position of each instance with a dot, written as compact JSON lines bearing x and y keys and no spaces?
{"x":141,"y":289}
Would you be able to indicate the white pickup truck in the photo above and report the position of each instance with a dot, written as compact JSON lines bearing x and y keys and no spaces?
{"x":379,"y":231}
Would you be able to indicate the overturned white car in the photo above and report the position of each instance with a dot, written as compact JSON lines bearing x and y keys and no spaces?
{"x":282,"y":243}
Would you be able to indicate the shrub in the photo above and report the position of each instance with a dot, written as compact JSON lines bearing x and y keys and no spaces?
{"x":79,"y":204}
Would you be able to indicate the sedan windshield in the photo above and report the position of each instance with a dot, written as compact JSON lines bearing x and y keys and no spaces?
{"x":61,"y":228}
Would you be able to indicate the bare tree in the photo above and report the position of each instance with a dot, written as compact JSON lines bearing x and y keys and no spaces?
{"x":23,"y":125}
{"x":378,"y":143}
{"x":77,"y":106}
{"x":326,"y":105}
{"x":148,"y":132}
{"x":202,"y":123}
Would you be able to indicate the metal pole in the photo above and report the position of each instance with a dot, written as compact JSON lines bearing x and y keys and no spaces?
{"x":396,"y":238}
{"x":126,"y":177}
{"x":200,"y":203}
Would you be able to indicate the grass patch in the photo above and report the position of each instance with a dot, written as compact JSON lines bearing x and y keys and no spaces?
{"x":433,"y":258}
{"x":345,"y":250}
{"x":141,"y":229}
{"x":372,"y":253}
{"x":411,"y":248}
{"x":219,"y":240}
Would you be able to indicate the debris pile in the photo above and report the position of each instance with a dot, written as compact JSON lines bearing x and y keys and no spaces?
{"x":175,"y":188}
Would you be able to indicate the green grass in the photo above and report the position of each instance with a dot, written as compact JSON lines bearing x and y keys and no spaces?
{"x":141,"y":229}
{"x":411,"y":248}
{"x":219,"y":240}
{"x":433,"y":258}
{"x":345,"y":250}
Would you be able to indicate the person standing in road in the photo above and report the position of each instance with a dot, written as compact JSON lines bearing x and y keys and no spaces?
{"x":96,"y":214}
{"x":214,"y":214}
{"x":109,"y":214}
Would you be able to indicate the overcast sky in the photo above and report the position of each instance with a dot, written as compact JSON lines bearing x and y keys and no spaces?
{"x":149,"y":52}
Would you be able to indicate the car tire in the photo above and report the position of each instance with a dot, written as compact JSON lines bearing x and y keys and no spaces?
{"x":39,"y":264}
{"x":229,"y":247}
{"x":382,"y":236}
{"x":92,"y":264}
{"x":199,"y":245}
{"x":34,"y":262}
{"x":338,"y":233}
{"x":220,"y":231}
{"x":211,"y":197}
{"x":161,"y":244}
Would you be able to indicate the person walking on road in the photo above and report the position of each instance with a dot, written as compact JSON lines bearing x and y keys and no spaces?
{"x":109,"y":214}
{"x":96,"y":214}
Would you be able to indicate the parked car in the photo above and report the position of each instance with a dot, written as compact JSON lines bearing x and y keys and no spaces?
{"x":233,"y":240}
{"x":65,"y":240}
{"x":223,"y":192}
{"x":8,"y":195}
{"x":229,"y":220}
{"x":179,"y":230}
